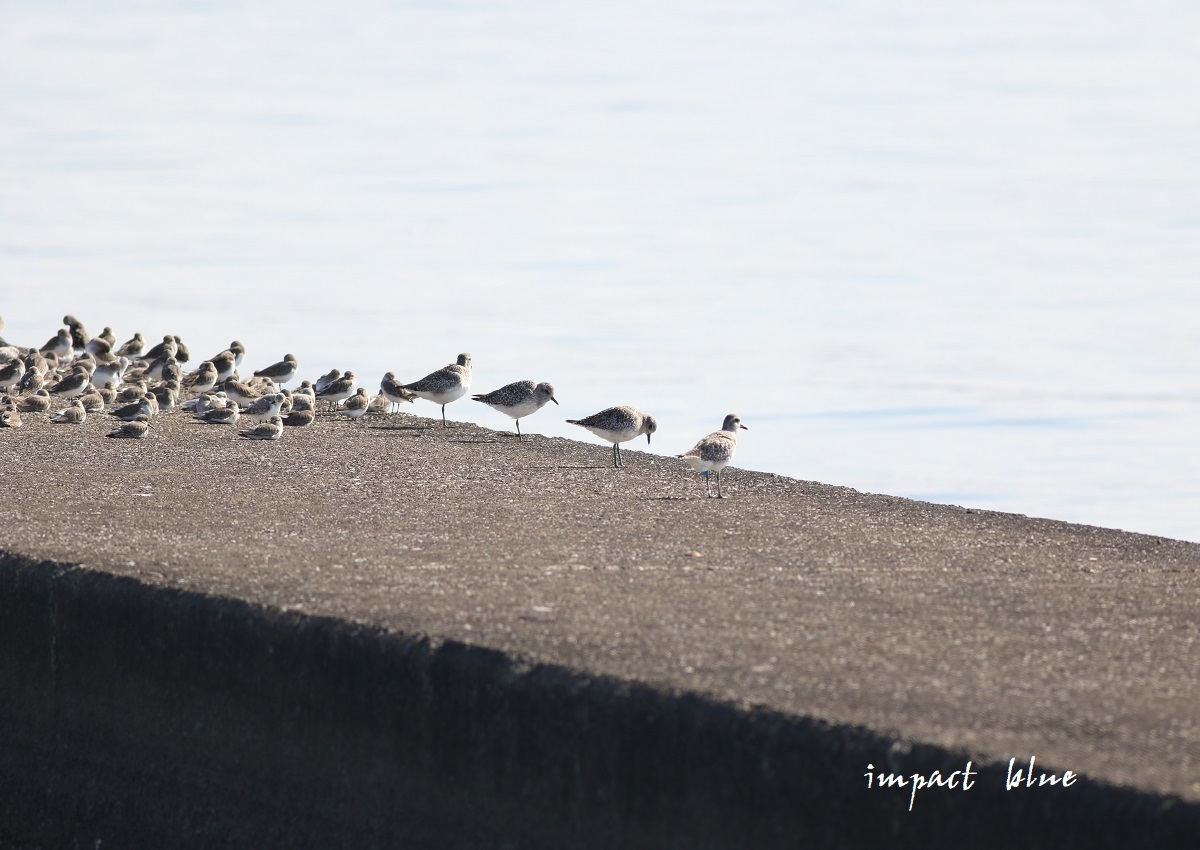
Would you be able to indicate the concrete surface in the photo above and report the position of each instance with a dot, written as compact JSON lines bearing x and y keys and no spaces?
{"x":622,"y":661}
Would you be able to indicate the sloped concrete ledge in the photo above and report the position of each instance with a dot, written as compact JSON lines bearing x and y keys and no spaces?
{"x":138,"y":716}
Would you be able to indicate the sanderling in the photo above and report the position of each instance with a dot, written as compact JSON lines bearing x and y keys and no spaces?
{"x":324,"y":381}
{"x":168,"y":347}
{"x":300,"y":418}
{"x":518,"y":399}
{"x":11,"y":374}
{"x":379,"y":405}
{"x":98,"y":346}
{"x":447,"y":384}
{"x":303,"y":401}
{"x":201,"y":379}
{"x":147,"y":404}
{"x":206,"y":401}
{"x":356,"y":406}
{"x":394,"y":391}
{"x":39,"y":402}
{"x":269,"y":430}
{"x":220,"y":415}
{"x":166,"y":394}
{"x":92,"y":401}
{"x":225,"y":363}
{"x":618,"y":425}
{"x":181,"y":351}
{"x":107,"y":372}
{"x":239,"y":351}
{"x":264,"y":408}
{"x":715,"y":451}
{"x":131,"y":393}
{"x":74,"y":384}
{"x":79,"y":336}
{"x":59,"y":345}
{"x":73,"y":415}
{"x":33,"y":381}
{"x":281,"y":372}
{"x":132,"y":430}
{"x":239,"y":392}
{"x":132,"y":347}
{"x":10,"y":419}
{"x":339,"y":389}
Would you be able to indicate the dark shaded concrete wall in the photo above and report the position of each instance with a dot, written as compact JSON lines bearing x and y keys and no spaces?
{"x":136,"y":716}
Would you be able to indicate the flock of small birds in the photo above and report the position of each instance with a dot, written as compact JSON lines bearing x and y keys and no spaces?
{"x":133,"y":382}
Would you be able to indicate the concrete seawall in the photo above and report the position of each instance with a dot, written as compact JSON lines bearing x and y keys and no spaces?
{"x":615,"y":674}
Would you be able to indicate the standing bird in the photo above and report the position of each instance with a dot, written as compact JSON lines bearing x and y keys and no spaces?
{"x":133,"y":430}
{"x":339,"y":388}
{"x":518,"y":399}
{"x":281,"y":372}
{"x":272,"y":429}
{"x":450,"y":383}
{"x":618,"y":425}
{"x":394,"y":391}
{"x":715,"y":451}
{"x":11,"y":374}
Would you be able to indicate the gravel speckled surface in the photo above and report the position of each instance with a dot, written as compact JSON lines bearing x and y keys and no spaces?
{"x":998,"y":634}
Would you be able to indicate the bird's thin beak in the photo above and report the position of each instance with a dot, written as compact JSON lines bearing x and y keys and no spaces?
{"x":647,"y":439}
{"x":553,"y":399}
{"x":744,"y":428}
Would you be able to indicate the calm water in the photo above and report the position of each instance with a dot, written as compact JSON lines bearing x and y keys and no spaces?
{"x":942,"y":252}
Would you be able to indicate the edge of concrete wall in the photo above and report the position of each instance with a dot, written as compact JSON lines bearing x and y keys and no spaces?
{"x":136,"y":715}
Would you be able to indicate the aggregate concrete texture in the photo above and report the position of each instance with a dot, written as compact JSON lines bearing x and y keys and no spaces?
{"x":986,"y":634}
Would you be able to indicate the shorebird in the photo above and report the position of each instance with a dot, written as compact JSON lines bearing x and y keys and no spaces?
{"x":281,"y":372}
{"x":272,"y":429}
{"x":132,"y":347}
{"x":220,"y":415}
{"x":10,"y":419}
{"x":167,"y":348}
{"x":225,"y":363}
{"x":299,"y":418}
{"x":39,"y":402}
{"x":59,"y":345}
{"x":239,"y":392}
{"x":518,"y":399}
{"x":73,"y":415}
{"x":618,"y":425}
{"x":79,"y":336}
{"x":134,"y":430}
{"x":147,"y":404}
{"x":201,"y":379}
{"x":11,"y":374}
{"x":92,"y":401}
{"x":715,"y":451}
{"x":394,"y":391}
{"x":74,"y":384}
{"x":339,"y":389}
{"x":447,"y":384}
{"x":356,"y":406}
{"x":264,"y":408}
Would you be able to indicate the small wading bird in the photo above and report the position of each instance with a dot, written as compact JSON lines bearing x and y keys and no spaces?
{"x":714,"y":452}
{"x":450,"y":383}
{"x":618,"y":425}
{"x":518,"y":399}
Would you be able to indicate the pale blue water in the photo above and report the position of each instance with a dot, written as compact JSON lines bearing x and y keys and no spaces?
{"x":929,"y":249}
